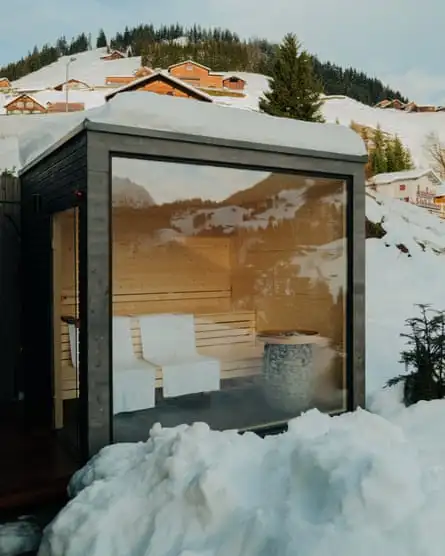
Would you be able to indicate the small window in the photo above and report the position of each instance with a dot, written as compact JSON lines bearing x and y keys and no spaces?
{"x":402,"y":187}
{"x":189,"y":67}
{"x":20,"y":104}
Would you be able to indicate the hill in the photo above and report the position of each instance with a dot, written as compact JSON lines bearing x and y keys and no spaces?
{"x":397,"y":280}
{"x":217,"y":48}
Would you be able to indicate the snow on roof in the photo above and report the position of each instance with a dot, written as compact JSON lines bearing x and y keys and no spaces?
{"x":234,"y":77}
{"x":91,"y":99}
{"x":71,"y":80}
{"x":189,"y":61}
{"x":27,"y":95}
{"x":440,"y":192}
{"x":152,"y":77}
{"x":178,"y":115}
{"x":406,"y":175}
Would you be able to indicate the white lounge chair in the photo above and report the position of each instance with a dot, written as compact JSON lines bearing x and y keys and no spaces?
{"x":133,"y":379}
{"x":168,"y":341}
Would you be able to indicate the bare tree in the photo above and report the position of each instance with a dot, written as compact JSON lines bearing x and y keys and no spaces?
{"x":435,"y":150}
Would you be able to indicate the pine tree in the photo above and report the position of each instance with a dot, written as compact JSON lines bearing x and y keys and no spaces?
{"x":377,"y":156}
{"x":392,"y":164}
{"x":402,"y":156}
{"x":101,"y":39}
{"x":294,"y":90}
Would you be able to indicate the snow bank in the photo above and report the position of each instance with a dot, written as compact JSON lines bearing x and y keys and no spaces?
{"x":164,"y":113}
{"x":358,"y":484}
{"x":396,"y":281}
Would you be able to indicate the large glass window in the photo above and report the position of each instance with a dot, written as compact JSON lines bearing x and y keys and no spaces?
{"x":229,"y":292}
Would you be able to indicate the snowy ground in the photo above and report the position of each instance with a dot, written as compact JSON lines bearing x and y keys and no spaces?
{"x":358,"y":485}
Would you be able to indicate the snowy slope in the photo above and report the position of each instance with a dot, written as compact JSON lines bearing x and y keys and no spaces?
{"x":396,"y":281}
{"x":413,"y":128}
{"x":87,"y":67}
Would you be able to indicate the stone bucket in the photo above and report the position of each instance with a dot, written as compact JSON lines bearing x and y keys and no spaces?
{"x":287,"y":376}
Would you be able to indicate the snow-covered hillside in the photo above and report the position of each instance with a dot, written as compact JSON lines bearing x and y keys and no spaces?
{"x":396,"y":280}
{"x":413,"y":128}
{"x":86,"y":66}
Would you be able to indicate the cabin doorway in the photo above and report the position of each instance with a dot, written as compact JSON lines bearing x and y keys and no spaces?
{"x":66,"y":326}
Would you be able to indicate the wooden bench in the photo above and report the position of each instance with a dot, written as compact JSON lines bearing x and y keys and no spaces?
{"x":229,"y":337}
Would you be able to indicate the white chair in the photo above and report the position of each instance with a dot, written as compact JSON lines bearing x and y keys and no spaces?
{"x":168,"y":341}
{"x":133,"y":379}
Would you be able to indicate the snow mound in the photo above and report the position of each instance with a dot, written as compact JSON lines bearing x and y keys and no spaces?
{"x":358,"y":484}
{"x":403,"y":268}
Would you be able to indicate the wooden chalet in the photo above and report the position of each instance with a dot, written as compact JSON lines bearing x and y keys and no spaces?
{"x":24,"y":104}
{"x":5,"y":83}
{"x":162,"y":84}
{"x":113,"y":55}
{"x":119,"y":80}
{"x":234,"y":82}
{"x":199,"y":75}
{"x":73,"y":84}
{"x":57,"y":107}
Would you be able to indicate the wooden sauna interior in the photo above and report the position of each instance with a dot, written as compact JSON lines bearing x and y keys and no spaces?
{"x":237,"y":281}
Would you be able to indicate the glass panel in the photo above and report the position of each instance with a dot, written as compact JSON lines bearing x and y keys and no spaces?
{"x":228,"y":296}
{"x":66,"y":327}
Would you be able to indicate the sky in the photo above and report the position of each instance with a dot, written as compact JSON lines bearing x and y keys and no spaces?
{"x":388,"y":39}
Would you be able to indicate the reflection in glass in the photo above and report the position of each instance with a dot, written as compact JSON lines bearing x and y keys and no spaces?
{"x":228,"y":296}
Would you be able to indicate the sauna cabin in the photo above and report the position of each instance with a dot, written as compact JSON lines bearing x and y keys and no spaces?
{"x":171,"y":261}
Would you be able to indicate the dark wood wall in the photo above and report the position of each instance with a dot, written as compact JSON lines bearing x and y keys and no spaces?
{"x":49,"y":187}
{"x":10,"y":379}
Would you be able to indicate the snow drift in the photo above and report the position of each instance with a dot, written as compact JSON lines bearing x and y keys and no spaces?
{"x":356,"y":485}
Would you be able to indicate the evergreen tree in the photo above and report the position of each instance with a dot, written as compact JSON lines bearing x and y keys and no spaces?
{"x":377,"y":156}
{"x":392,"y":164}
{"x":402,"y":156}
{"x":101,"y":41}
{"x":294,"y":90}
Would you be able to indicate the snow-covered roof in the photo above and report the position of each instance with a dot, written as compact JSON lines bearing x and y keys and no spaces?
{"x":161,"y":113}
{"x":406,"y":175}
{"x":71,"y":80}
{"x":31,"y":97}
{"x":189,"y":62}
{"x":163,"y":75}
{"x":440,"y":192}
